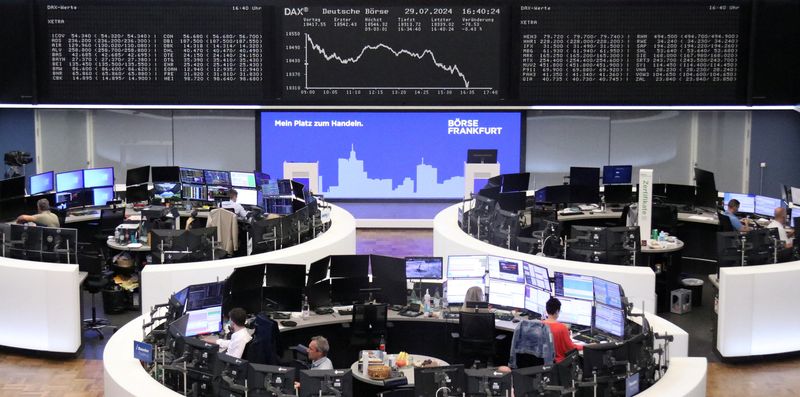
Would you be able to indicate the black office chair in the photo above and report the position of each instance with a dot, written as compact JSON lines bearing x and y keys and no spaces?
{"x":110,"y":218}
{"x":476,"y":338}
{"x":95,"y":282}
{"x":665,"y":217}
{"x":725,"y":224}
{"x":368,"y":326}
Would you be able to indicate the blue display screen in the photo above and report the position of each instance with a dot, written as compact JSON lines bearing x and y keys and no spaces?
{"x":70,"y":180}
{"x":388,"y":154}
{"x":617,"y":174}
{"x":98,"y":177}
{"x":41,"y":183}
{"x":102,"y":195}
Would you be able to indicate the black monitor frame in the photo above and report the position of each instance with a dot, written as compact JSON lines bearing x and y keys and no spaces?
{"x":428,"y":380}
{"x":312,"y":382}
{"x":481,"y":156}
{"x":137,"y":176}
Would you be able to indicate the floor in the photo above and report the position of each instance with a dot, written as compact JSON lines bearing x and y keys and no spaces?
{"x":26,"y":374}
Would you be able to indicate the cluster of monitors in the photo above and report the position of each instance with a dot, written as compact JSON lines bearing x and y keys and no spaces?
{"x":753,"y":203}
{"x":37,"y":243}
{"x":345,"y":279}
{"x":585,"y":300}
{"x":178,"y":246}
{"x":170,"y":183}
{"x":294,"y":228}
{"x":198,"y":308}
{"x":610,"y":245}
{"x":78,"y":188}
{"x":759,"y":248}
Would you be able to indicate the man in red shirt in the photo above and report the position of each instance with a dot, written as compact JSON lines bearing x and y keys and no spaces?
{"x":561,"y":339}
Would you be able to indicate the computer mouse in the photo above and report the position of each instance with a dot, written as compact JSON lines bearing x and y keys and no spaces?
{"x":515,"y":320}
{"x":288,"y":323}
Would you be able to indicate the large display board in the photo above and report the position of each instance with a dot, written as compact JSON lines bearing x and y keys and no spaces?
{"x":391,"y":155}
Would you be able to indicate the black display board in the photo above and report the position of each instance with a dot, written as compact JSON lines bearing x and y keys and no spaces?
{"x":16,"y":56}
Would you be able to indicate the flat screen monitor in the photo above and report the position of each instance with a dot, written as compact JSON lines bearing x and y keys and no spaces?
{"x":584,"y":176}
{"x":12,"y":187}
{"x":574,"y":286}
{"x":765,"y":206}
{"x":318,"y":271}
{"x":466,"y":266}
{"x":616,"y":174}
{"x":610,"y":320}
{"x":194,"y":192}
{"x":71,"y":199}
{"x":243,"y":179}
{"x":98,"y":177}
{"x":575,"y":311}
{"x":704,"y":179}
{"x":481,"y":156}
{"x":618,"y":194}
{"x":328,"y":382}
{"x":516,"y":182}
{"x":101,"y":195}
{"x":536,"y":300}
{"x":167,"y":190}
{"x":607,"y":293}
{"x":424,"y":267}
{"x":217,"y":178}
{"x":243,"y":288}
{"x":537,"y":276}
{"x":285,"y":275}
{"x":247,"y":196}
{"x":346,"y":291}
{"x":427,"y":381}
{"x":204,"y":321}
{"x":349,"y":265}
{"x":506,"y":269}
{"x":456,"y":288}
{"x":506,"y":293}
{"x":795,"y":193}
{"x":42,"y":183}
{"x":389,"y":277}
{"x":270,"y":189}
{"x":135,"y":194}
{"x":59,"y":245}
{"x":137,"y":176}
{"x":680,"y":194}
{"x":747,"y":202}
{"x":193,"y":176}
{"x":165,"y":174}
{"x":68,"y":181}
{"x":218,"y":192}
{"x":201,"y":296}
{"x":261,"y":376}
{"x":481,"y":380}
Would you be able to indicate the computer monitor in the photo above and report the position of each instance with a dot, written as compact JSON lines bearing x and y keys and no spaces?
{"x":204,"y":321}
{"x":98,"y":177}
{"x":11,"y":208}
{"x":25,"y":242}
{"x":232,"y":371}
{"x":71,"y":199}
{"x":487,"y":380}
{"x":346,"y":291}
{"x":506,"y":293}
{"x":610,"y":320}
{"x":12,"y":187}
{"x":202,"y":296}
{"x":167,"y":190}
{"x":318,"y":270}
{"x":795,"y":195}
{"x":270,"y":380}
{"x":607,"y":292}
{"x":192,"y":176}
{"x":243,"y":179}
{"x":68,"y":181}
{"x":203,"y":357}
{"x":620,"y":238}
{"x":537,"y":276}
{"x":285,"y":275}
{"x":59,"y":245}
{"x":618,"y":194}
{"x":747,"y":202}
{"x":466,"y":266}
{"x":617,"y":174}
{"x":137,"y":176}
{"x":194,"y":192}
{"x":481,"y":156}
{"x":531,"y":381}
{"x":244,"y":288}
{"x":519,"y":182}
{"x":389,"y":276}
{"x":584,"y":176}
{"x":597,"y":358}
{"x":456,"y":288}
{"x":218,"y":192}
{"x":100,"y":195}
{"x":270,"y":189}
{"x":765,"y":206}
{"x":135,"y":194}
{"x":506,"y":269}
{"x":706,"y":188}
{"x":588,"y":238}
{"x":41,"y":183}
{"x":424,"y":267}
{"x":298,"y":189}
{"x":536,"y":300}
{"x":217,"y":178}
{"x":165,"y":174}
{"x":328,"y":382}
{"x":349,"y":265}
{"x":166,"y":240}
{"x":680,"y":194}
{"x":247,"y":196}
{"x":574,"y":286}
{"x":427,"y":381}
{"x":575,"y":311}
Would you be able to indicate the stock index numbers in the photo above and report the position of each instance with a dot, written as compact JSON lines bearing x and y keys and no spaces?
{"x":428,"y":53}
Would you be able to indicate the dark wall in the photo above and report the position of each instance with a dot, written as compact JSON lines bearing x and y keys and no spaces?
{"x":775,"y":140}
{"x":17,"y":132}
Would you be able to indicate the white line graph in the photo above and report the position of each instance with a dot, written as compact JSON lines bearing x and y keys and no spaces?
{"x":452,"y":69}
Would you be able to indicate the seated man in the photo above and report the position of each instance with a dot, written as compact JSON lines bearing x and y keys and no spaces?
{"x":43,"y":218}
{"x":561,"y":338}
{"x":318,"y":353}
{"x":779,"y":222}
{"x":733,"y":207}
{"x":239,"y":338}
{"x":237,"y":208}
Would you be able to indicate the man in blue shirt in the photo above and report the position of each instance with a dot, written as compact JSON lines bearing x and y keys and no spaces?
{"x":733,"y":207}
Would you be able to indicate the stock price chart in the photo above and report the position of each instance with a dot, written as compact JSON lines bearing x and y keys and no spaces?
{"x":424,"y":53}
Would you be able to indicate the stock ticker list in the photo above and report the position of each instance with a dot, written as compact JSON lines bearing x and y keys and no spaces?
{"x":158,"y":53}
{"x":583,"y":53}
{"x":422,"y":53}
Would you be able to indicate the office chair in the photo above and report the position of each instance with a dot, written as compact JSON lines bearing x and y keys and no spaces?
{"x":665,"y":217}
{"x":110,"y":218}
{"x":95,"y":282}
{"x":368,"y":326}
{"x":476,"y":338}
{"x":724,"y":223}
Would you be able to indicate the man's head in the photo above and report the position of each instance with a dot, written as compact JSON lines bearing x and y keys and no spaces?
{"x":233,"y":194}
{"x":238,"y":317}
{"x":733,"y":205}
{"x":780,"y":215}
{"x":553,"y":307}
{"x":318,"y":348}
{"x":43,"y":205}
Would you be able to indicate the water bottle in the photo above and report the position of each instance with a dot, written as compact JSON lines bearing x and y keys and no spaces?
{"x":437,"y":301}
{"x":306,"y":308}
{"x":426,"y":302}
{"x":116,"y":235}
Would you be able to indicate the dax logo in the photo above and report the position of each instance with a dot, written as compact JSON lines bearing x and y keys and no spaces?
{"x":295,"y":11}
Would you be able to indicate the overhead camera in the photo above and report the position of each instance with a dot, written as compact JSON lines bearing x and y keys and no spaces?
{"x":18,"y":158}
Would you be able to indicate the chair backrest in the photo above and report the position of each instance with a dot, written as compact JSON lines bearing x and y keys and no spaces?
{"x":724,"y":223}
{"x":369,"y":319}
{"x":525,"y":360}
{"x":92,"y":264}
{"x":532,"y":341}
{"x":476,"y":327}
{"x":664,"y":217}
{"x":110,"y":218}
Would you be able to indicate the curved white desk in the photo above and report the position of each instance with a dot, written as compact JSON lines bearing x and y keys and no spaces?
{"x":159,"y":281}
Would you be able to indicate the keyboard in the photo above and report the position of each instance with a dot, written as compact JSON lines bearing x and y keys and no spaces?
{"x":409,"y":313}
{"x":323,"y":310}
{"x":616,"y":209}
{"x":504,"y":316}
{"x":345,"y":312}
{"x":280,"y":316}
{"x":584,"y":338}
{"x":452,"y":315}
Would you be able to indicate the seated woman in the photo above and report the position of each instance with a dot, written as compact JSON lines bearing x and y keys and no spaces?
{"x":475,"y":299}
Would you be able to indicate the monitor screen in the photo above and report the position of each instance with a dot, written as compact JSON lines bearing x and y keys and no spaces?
{"x":193,"y":176}
{"x":102,"y":195}
{"x":135,"y":194}
{"x":424,"y":267}
{"x":506,"y":293}
{"x":217,"y":192}
{"x":166,"y":174}
{"x":747,"y":202}
{"x":204,"y":321}
{"x":481,"y":156}
{"x":607,"y":293}
{"x":201,"y":296}
{"x":41,"y":183}
{"x":765,"y":206}
{"x":584,"y":176}
{"x":349,"y":265}
{"x":12,"y":187}
{"x":270,"y":189}
{"x":70,"y":180}
{"x":456,"y":288}
{"x":466,"y":266}
{"x":506,"y":269}
{"x":610,"y":320}
{"x":247,"y":196}
{"x":167,"y":190}
{"x":680,"y":194}
{"x":218,"y":178}
{"x":614,"y":174}
{"x":795,"y":192}
{"x":194,"y":192}
{"x":574,"y":286}
{"x":537,"y":276}
{"x":330,"y":382}
{"x":137,"y":176}
{"x":243,"y":179}
{"x":617,"y":194}
{"x":536,"y":300}
{"x":575,"y":311}
{"x":98,"y":177}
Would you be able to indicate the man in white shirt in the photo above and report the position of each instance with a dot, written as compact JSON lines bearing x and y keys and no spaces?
{"x":779,"y":222}
{"x":318,"y":353}
{"x":237,"y":208}
{"x":239,"y":338}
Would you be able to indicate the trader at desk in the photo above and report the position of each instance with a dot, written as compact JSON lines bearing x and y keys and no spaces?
{"x":561,"y":340}
{"x":318,"y":353}
{"x":779,"y":222}
{"x":43,"y":218}
{"x":240,"y":337}
{"x":733,"y":207}
{"x":237,"y":208}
